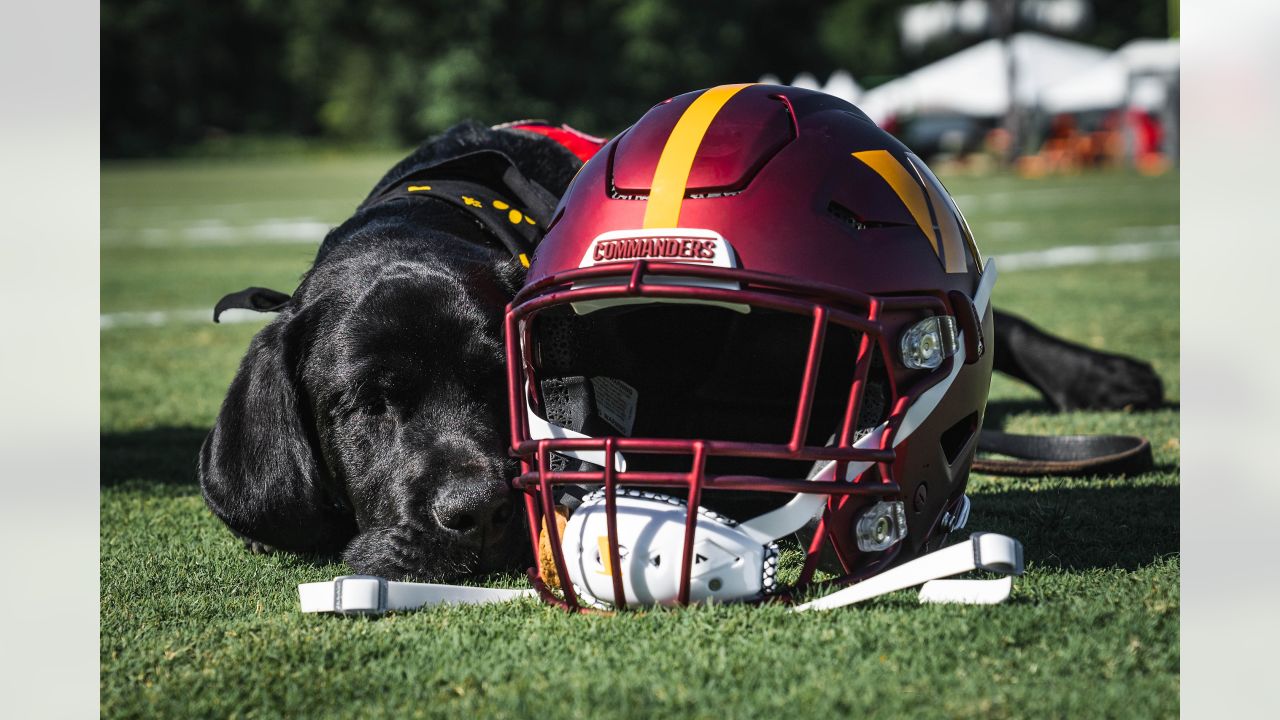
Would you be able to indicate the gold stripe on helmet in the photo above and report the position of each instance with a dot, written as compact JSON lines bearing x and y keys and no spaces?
{"x":666,"y":192}
{"x":908,"y":190}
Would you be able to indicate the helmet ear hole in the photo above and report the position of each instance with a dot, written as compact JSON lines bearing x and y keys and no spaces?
{"x":955,"y":438}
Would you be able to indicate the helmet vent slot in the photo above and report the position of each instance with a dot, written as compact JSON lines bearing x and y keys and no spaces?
{"x":848,"y":217}
{"x":616,"y":194}
{"x":555,"y":219}
{"x":955,"y":438}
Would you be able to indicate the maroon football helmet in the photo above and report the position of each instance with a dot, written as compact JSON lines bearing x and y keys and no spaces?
{"x":754,"y":314}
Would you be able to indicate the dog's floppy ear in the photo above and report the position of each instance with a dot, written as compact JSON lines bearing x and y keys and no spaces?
{"x":260,"y":467}
{"x":511,"y":274}
{"x":254,"y":298}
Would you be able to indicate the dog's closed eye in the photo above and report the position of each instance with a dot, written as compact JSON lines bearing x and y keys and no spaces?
{"x":369,"y":396}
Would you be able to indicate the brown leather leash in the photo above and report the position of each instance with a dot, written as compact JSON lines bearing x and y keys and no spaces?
{"x":1071,"y":455}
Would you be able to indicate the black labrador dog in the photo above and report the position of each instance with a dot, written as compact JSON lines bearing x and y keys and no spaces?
{"x":367,"y":418}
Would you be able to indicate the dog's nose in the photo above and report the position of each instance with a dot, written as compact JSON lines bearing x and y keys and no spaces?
{"x":476,"y":514}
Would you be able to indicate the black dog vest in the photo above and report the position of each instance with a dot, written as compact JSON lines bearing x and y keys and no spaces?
{"x":486,"y":185}
{"x":512,"y":209}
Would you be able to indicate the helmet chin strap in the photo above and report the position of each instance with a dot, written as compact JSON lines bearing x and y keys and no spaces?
{"x":364,"y":594}
{"x":369,"y":595}
{"x":982,"y":551}
{"x":372,"y":595}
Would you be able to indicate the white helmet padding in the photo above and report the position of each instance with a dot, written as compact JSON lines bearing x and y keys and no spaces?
{"x":727,"y":564}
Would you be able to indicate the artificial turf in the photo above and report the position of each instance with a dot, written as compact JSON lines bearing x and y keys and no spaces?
{"x":193,"y":625}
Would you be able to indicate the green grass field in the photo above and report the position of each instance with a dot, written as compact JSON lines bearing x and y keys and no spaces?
{"x":192,"y":625}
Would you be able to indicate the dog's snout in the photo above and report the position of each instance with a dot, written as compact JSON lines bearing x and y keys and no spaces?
{"x":476,"y":513}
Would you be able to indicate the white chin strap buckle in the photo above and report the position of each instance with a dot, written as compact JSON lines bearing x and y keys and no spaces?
{"x":727,"y":564}
{"x":371,"y":595}
{"x":982,"y":551}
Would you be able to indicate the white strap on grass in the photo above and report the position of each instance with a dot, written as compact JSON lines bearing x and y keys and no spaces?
{"x":982,"y":551}
{"x":967,"y":592}
{"x":371,"y":595}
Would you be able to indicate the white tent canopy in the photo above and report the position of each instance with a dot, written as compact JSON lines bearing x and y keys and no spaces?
{"x":806,"y":81}
{"x":974,"y":81}
{"x":1107,"y":84}
{"x":1148,"y":55}
{"x":841,"y":84}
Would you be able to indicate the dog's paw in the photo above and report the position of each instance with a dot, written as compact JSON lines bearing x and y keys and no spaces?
{"x":257,"y":548}
{"x":1112,"y":382}
{"x":1072,"y":376}
{"x":407,"y":553}
{"x":391,"y":552}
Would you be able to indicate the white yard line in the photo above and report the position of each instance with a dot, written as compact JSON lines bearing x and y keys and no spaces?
{"x":1087,"y":255}
{"x":156,"y":318}
{"x":218,"y":232}
{"x":1008,"y":262}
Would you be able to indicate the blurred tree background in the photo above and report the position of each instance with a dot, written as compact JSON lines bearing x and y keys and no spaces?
{"x":183,"y":74}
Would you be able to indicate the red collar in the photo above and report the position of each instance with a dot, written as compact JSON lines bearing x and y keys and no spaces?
{"x":575,"y":141}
